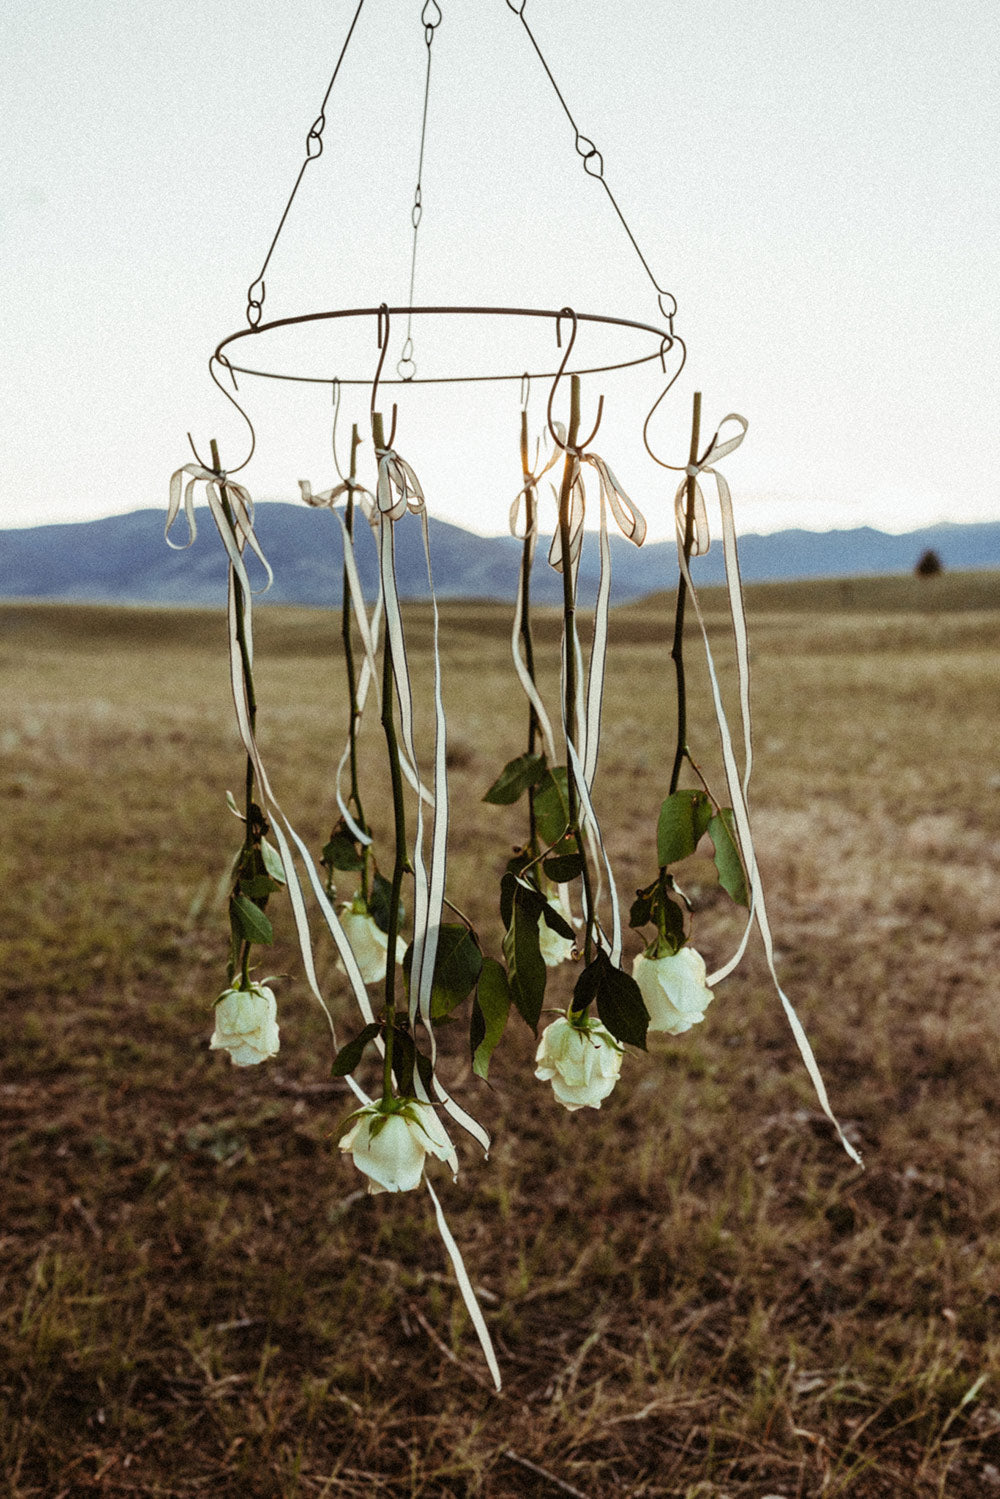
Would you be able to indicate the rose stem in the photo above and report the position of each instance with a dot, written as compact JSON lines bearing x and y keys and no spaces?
{"x":529,"y":647}
{"x":569,"y":646}
{"x":241,"y":638}
{"x":345,"y":630}
{"x":399,"y":812}
{"x":677,"y":650}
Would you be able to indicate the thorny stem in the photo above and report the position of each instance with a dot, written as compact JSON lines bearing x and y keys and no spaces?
{"x":345,"y":630}
{"x":569,"y":646}
{"x":677,"y":650}
{"x":529,"y":647}
{"x":241,"y":638}
{"x":399,"y":814}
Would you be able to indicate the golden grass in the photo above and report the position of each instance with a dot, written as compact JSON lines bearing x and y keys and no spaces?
{"x":693,"y":1293}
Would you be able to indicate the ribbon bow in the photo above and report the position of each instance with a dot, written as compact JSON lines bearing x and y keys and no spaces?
{"x":236,"y":535}
{"x":531,"y":482}
{"x":630,"y":519}
{"x":701,"y":539}
{"x":395,"y":473}
{"x":329,"y":497}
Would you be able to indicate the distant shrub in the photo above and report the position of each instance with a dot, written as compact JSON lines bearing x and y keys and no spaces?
{"x":929,"y":564}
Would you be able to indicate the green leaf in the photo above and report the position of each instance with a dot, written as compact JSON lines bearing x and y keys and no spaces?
{"x":250,"y":921}
{"x":556,"y":922}
{"x":272,"y":861}
{"x":684,"y":816}
{"x":669,"y":920}
{"x":404,"y":1056}
{"x":507,"y":887}
{"x":490,"y":1010}
{"x":642,"y":908}
{"x":620,"y":1006}
{"x":552,"y":805}
{"x":380,"y":902}
{"x":231,"y":804}
{"x":349,"y":1056}
{"x":457,"y":965}
{"x":515,"y":778}
{"x":258,"y":886}
{"x":564,"y":868}
{"x":586,"y":986}
{"x":732,"y":878}
{"x":525,"y":965}
{"x":619,"y":1000}
{"x":341,"y":853}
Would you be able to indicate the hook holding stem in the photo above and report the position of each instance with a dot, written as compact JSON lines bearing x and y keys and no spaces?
{"x":577,"y":445}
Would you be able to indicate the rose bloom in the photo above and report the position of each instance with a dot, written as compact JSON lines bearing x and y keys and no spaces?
{"x":369,"y":944}
{"x":554,"y":948}
{"x":246,"y":1025}
{"x":673,"y":989}
{"x":392,"y":1154}
{"x":582,"y":1063}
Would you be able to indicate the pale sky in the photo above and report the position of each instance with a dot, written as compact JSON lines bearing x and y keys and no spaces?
{"x":815,"y":184}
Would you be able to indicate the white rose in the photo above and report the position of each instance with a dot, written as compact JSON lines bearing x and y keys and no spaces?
{"x":673,"y":989}
{"x":246,"y":1025}
{"x":554,"y":948}
{"x":583,"y":1065}
{"x":391,"y":1153}
{"x":369,"y":944}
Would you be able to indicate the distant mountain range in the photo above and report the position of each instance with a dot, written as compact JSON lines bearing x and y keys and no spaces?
{"x":124,"y":559}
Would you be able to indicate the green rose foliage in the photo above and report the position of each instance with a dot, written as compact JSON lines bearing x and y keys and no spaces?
{"x":618,"y":999}
{"x":490,"y":1009}
{"x":457,"y":965}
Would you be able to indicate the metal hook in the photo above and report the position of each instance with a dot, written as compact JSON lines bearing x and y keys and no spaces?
{"x":677,"y":467}
{"x":568,"y":312}
{"x":222,"y":359}
{"x":383,"y":343}
{"x":335,"y":392}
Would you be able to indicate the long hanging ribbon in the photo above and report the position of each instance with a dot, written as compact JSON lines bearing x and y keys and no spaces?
{"x":530,"y":537}
{"x":240,"y":607}
{"x":235,"y":538}
{"x":589,"y":708}
{"x":738,"y":786}
{"x":399,"y":491}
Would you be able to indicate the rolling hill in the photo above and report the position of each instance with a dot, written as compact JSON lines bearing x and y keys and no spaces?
{"x":124,"y":559}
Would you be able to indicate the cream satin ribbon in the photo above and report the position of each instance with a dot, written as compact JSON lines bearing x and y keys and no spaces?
{"x":399,"y":491}
{"x":240,"y":608}
{"x":630,"y":520}
{"x":737,"y":786}
{"x":240,"y":504}
{"x":584,"y":758}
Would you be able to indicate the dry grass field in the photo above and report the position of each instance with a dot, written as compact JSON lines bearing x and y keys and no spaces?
{"x":693,"y":1293}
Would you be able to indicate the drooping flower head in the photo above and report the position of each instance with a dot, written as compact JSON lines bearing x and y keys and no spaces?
{"x":674,"y":989}
{"x":246,"y":1025}
{"x":581,"y":1059}
{"x":369,"y":944}
{"x":390,"y":1145}
{"x":553,"y":946}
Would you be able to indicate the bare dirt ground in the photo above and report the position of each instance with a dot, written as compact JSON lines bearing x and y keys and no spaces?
{"x":693,"y":1293}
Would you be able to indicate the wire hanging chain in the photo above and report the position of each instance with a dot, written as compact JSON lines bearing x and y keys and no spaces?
{"x":431,"y":18}
{"x":593,"y":165}
{"x":314,"y":149}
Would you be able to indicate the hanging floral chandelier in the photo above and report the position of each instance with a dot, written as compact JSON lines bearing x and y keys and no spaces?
{"x":558,"y":898}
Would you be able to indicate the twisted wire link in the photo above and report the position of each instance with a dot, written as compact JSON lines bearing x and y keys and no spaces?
{"x":593,"y":165}
{"x":256,"y":291}
{"x":431,"y":18}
